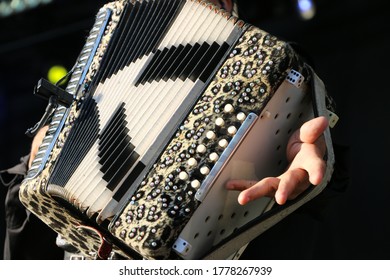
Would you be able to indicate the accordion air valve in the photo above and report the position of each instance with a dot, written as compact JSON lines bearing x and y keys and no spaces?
{"x":172,"y":98}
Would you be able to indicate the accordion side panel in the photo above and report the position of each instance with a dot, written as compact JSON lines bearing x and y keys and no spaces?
{"x":165,"y":200}
{"x":33,"y":194}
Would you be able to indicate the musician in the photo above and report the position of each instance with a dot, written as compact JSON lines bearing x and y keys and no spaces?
{"x":305,"y":152}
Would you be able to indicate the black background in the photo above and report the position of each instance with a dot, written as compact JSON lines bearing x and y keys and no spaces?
{"x":349,"y":43}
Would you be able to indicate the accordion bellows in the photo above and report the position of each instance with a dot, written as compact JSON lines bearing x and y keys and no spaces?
{"x":172,"y":99}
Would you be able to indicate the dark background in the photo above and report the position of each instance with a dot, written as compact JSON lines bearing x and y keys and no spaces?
{"x":348,"y":41}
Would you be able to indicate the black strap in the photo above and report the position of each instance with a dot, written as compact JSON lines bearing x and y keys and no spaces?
{"x":10,"y":176}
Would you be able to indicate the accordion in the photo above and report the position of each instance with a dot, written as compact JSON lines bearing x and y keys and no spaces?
{"x":167,"y":101}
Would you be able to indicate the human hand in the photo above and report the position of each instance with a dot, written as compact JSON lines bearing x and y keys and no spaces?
{"x":37,"y":141}
{"x":305,"y":151}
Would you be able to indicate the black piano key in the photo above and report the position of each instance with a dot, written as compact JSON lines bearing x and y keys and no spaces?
{"x":151,"y":26}
{"x":203,"y":62}
{"x":197,"y":56}
{"x":138,"y":33}
{"x":175,"y":65}
{"x":121,"y":191}
{"x":163,"y":74}
{"x":115,"y":42}
{"x":214,"y":61}
{"x":122,"y":170}
{"x":159,"y":66}
{"x":131,"y":40}
{"x":121,"y":162}
{"x":114,"y":149}
{"x":166,"y":18}
{"x":181,"y":61}
{"x":81,"y":137}
{"x":81,"y":143}
{"x":160,"y":25}
{"x":114,"y":125}
{"x":184,"y":59}
{"x":157,"y":57}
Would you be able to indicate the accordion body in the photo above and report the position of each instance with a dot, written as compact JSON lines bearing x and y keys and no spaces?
{"x":172,"y":98}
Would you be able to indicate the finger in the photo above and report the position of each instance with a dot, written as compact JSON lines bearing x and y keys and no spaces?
{"x":240,"y":185}
{"x":264,"y":188}
{"x":316,"y":171}
{"x":310,"y":159}
{"x":311,"y":130}
{"x":37,"y":141}
{"x":292,"y":183}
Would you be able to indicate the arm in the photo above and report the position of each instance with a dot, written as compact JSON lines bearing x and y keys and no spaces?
{"x":38,"y":138}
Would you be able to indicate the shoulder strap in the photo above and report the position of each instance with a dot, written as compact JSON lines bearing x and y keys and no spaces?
{"x":9,"y":176}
